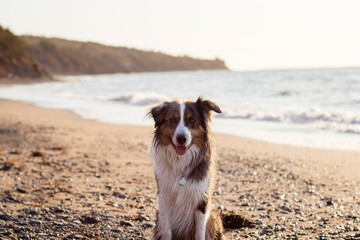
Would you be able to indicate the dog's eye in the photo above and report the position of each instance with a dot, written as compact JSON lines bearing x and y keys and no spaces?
{"x":191,"y":120}
{"x":172,"y":120}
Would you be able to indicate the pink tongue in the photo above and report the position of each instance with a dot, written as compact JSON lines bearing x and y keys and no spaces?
{"x":180,"y":150}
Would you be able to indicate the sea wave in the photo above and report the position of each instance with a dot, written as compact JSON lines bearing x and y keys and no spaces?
{"x":344,"y":122}
{"x":142,"y":99}
{"x":320,"y":119}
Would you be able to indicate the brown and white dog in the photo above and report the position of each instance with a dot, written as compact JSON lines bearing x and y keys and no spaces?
{"x":184,"y":171}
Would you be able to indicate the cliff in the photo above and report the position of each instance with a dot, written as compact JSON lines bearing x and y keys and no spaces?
{"x":14,"y":61}
{"x":39,"y":57}
{"x":64,"y":57}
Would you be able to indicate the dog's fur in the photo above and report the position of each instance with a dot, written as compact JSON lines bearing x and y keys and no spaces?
{"x":181,"y":147}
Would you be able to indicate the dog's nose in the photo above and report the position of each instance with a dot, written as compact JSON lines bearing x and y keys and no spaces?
{"x":181,"y":139}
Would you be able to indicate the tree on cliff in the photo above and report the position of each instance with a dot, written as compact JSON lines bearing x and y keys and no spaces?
{"x":14,"y":61}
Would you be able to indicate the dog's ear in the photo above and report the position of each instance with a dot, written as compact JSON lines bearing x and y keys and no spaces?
{"x":158,"y":114}
{"x":206,"y":107}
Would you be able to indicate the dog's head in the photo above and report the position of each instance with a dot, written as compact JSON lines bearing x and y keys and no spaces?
{"x":183,"y":123}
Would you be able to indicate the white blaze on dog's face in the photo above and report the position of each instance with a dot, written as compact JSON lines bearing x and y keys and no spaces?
{"x":182,"y":136}
{"x":183,"y":124}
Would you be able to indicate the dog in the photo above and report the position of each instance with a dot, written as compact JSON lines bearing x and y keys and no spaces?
{"x":184,"y":168}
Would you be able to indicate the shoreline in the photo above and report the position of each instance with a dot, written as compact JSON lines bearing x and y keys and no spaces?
{"x":71,"y":176}
{"x":277,"y":132}
{"x":325,"y":155}
{"x":12,"y":82}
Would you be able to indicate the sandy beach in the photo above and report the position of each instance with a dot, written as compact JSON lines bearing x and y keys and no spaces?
{"x":64,"y":177}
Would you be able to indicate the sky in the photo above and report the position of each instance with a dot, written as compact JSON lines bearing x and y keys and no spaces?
{"x":246,"y":34}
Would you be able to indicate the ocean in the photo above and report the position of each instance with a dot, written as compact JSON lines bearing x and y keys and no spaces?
{"x":311,"y":107}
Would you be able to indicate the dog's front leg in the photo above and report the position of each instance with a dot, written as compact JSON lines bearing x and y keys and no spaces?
{"x":165,"y":228}
{"x":200,"y":223}
{"x":164,"y":222}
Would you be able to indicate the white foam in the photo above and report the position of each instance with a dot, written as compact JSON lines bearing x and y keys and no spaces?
{"x":142,"y":98}
{"x":320,"y":119}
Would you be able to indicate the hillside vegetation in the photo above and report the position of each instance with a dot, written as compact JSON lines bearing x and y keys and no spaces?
{"x":39,"y":57}
{"x":14,"y":61}
{"x":63,"y":57}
